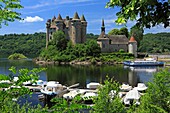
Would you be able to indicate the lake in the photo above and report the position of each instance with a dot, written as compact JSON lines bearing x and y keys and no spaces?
{"x":69,"y":75}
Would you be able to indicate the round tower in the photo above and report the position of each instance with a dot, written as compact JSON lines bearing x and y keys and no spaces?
{"x":48,"y":24}
{"x":76,"y":29}
{"x":83,"y":29}
{"x":132,"y":46}
{"x":59,"y":23}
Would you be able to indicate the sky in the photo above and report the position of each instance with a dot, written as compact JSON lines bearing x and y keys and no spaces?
{"x":36,"y":12}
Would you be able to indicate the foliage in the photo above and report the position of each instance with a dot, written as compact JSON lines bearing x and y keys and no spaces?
{"x":122,"y":31}
{"x":114,"y":32}
{"x":92,"y":48}
{"x":10,"y":106}
{"x":116,"y":56}
{"x":59,"y":40}
{"x":108,"y":100}
{"x":157,"y":97}
{"x":91,"y":36}
{"x":71,"y":52}
{"x":148,"y":13}
{"x":8,"y":11}
{"x":155,"y":43}
{"x":64,"y":106}
{"x":16,"y":56}
{"x":27,"y":44}
{"x":137,"y":33}
{"x":16,"y":90}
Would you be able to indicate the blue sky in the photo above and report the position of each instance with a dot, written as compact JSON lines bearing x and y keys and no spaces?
{"x":36,"y":12}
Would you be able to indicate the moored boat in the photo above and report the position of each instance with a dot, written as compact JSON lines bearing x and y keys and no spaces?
{"x":53,"y":88}
{"x":144,"y":62}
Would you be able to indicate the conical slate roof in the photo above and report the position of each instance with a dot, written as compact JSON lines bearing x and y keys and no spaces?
{"x":83,"y":18}
{"x":59,"y":17}
{"x":76,"y":16}
{"x":53,"y":18}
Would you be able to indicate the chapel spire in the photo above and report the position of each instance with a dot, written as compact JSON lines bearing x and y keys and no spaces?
{"x":103,"y":26}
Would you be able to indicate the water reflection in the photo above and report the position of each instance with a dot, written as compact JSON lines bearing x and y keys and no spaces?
{"x":141,"y":74}
{"x":69,"y":75}
{"x":84,"y":74}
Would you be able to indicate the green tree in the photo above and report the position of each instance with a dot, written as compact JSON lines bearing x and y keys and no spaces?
{"x":8,"y":11}
{"x":124,"y":31}
{"x":64,"y":106}
{"x":59,"y":39}
{"x":157,"y":97}
{"x":147,"y":13}
{"x":114,"y":32}
{"x":108,"y":100}
{"x":16,"y":90}
{"x":137,"y":33}
{"x":92,"y":48}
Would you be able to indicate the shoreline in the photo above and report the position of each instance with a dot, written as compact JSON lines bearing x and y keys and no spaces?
{"x":74,"y":62}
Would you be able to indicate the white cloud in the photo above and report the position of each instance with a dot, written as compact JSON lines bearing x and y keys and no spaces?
{"x":42,"y":30}
{"x":38,"y":5}
{"x":30,"y":19}
{"x":157,"y":29}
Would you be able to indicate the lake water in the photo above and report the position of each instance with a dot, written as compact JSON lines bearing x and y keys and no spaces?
{"x":69,"y":75}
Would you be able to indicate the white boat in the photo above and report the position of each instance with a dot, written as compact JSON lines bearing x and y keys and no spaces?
{"x":125,"y":87}
{"x":53,"y":88}
{"x":72,"y":94}
{"x":37,"y":83}
{"x":144,"y":62}
{"x":93,"y":85}
{"x":131,"y":96}
{"x":141,"y":87}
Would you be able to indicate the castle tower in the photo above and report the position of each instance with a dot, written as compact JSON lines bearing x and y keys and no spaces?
{"x":59,"y":23}
{"x":48,"y":24}
{"x":76,"y":29}
{"x":132,"y":46}
{"x":83,"y":29}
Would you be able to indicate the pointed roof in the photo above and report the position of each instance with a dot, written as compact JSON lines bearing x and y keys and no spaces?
{"x":103,"y":23}
{"x":53,"y":18}
{"x":83,"y":18}
{"x":76,"y":16}
{"x":132,"y":39}
{"x":59,"y":17}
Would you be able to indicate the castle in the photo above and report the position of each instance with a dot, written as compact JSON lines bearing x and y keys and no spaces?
{"x":74,"y":28}
{"x":114,"y":43}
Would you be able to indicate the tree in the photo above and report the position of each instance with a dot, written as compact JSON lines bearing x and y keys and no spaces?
{"x":16,"y":89}
{"x":108,"y":100}
{"x":59,"y":39}
{"x":157,"y":97}
{"x":92,"y":48}
{"x":124,"y":31}
{"x":114,"y":32}
{"x":7,"y":11}
{"x":137,"y":33}
{"x":148,"y":13}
